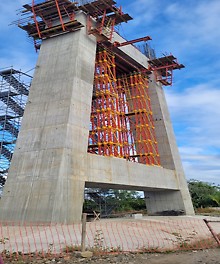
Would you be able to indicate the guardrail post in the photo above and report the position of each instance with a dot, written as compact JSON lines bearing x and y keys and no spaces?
{"x":1,"y":260}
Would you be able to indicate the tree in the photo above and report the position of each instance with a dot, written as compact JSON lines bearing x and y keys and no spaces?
{"x":216,"y":198}
{"x":203,"y":194}
{"x":109,"y":201}
{"x":129,"y":200}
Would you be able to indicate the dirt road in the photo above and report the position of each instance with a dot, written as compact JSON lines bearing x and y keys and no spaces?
{"x":211,"y":256}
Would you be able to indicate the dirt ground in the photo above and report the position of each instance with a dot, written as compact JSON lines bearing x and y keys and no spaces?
{"x":208,"y":256}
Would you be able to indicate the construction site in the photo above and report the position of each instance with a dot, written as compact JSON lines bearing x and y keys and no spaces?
{"x":92,"y":117}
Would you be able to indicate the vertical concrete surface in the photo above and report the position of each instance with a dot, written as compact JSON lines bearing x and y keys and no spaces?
{"x":46,"y":181}
{"x":179,"y":201}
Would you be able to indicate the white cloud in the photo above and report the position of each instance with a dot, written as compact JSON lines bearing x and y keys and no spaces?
{"x":203,"y":97}
{"x":197,"y":173}
{"x":195,"y":113}
{"x":15,"y":47}
{"x":181,"y":27}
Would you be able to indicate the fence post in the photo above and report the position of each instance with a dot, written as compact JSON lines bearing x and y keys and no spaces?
{"x":83,"y":241}
{"x":1,"y":260}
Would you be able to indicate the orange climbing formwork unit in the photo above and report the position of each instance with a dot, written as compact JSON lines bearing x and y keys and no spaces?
{"x":121,"y":117}
{"x":44,"y":19}
{"x":139,"y":119}
{"x":163,"y":68}
{"x":105,"y":130}
{"x":107,"y":15}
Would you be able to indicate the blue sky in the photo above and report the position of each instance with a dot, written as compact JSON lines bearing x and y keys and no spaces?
{"x":187,"y":28}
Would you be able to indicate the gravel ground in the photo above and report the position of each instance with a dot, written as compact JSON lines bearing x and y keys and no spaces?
{"x":211,"y":256}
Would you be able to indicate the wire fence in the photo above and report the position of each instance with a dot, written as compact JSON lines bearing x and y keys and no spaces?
{"x":150,"y":234}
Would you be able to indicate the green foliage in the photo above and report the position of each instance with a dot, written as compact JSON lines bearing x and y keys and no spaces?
{"x":128,"y":201}
{"x":90,"y":205}
{"x":114,"y":201}
{"x":204,"y":194}
{"x":216,"y":198}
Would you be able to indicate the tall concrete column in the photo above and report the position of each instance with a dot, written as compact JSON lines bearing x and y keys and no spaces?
{"x":159,"y":202}
{"x":46,"y":178}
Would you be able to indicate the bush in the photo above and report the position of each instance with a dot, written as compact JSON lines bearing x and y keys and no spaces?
{"x":203,"y":194}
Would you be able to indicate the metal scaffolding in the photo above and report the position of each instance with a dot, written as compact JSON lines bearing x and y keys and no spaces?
{"x":100,"y":202}
{"x":163,"y":68}
{"x":138,"y":116}
{"x":121,"y":117}
{"x":105,"y":132}
{"x":14,"y":89}
{"x":48,"y":18}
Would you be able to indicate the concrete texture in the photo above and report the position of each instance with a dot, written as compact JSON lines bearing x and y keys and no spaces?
{"x":51,"y":166}
{"x":169,"y":157}
{"x":44,"y":182}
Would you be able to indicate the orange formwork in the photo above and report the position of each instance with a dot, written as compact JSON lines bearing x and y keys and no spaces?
{"x":163,"y":68}
{"x":139,"y":119}
{"x":105,"y":134}
{"x":121,"y":116}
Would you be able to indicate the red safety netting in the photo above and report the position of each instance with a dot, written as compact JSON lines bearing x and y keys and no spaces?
{"x":106,"y":236}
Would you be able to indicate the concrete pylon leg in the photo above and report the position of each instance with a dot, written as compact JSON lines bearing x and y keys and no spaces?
{"x":164,"y":202}
{"x":72,"y":203}
{"x":160,"y":201}
{"x":47,"y":174}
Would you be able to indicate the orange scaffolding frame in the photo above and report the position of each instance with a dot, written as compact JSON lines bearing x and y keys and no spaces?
{"x":139,"y":120}
{"x":163,"y":68}
{"x":105,"y":133}
{"x":121,"y":117}
{"x":107,"y":15}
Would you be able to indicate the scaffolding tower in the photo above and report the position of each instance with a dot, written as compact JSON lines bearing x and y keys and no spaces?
{"x":14,"y":90}
{"x":121,"y":117}
{"x":105,"y":133}
{"x":99,"y":201}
